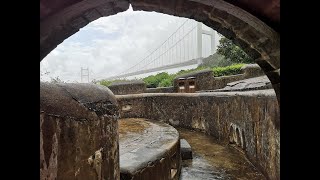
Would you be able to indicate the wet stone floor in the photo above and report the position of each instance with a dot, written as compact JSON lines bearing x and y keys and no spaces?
{"x":143,"y":142}
{"x":211,"y":160}
{"x":214,"y":161}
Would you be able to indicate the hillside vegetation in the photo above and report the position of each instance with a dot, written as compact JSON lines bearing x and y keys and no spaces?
{"x":165,"y":80}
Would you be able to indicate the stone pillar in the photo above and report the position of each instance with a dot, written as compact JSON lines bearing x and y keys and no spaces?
{"x":78,"y":132}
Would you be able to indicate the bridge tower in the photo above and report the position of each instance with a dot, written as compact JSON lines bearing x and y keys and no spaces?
{"x":84,"y":73}
{"x":201,"y":31}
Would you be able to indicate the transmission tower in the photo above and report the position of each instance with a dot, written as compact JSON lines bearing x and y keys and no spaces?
{"x":84,"y":74}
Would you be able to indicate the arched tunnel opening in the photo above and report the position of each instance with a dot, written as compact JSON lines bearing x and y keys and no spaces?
{"x":143,"y":114}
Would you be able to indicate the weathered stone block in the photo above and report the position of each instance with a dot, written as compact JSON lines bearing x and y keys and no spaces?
{"x":186,"y":151}
{"x":128,"y":87}
{"x":203,"y":80}
{"x":78,"y":132}
{"x":148,"y":150}
{"x":252,"y":70}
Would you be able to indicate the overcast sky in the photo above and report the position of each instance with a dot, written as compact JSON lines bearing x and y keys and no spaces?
{"x":109,"y":45}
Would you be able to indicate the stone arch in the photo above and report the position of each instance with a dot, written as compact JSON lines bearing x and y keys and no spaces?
{"x":60,"y":19}
{"x":243,"y":140}
{"x":231,"y":135}
{"x":238,"y":137}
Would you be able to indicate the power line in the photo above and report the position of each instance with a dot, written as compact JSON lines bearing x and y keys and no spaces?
{"x":156,"y":48}
{"x":175,"y":50}
{"x":176,"y":43}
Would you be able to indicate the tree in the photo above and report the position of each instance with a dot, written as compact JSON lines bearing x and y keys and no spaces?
{"x":43,"y":74}
{"x":154,"y":81}
{"x":215,"y":60}
{"x":233,"y":52}
{"x":56,"y":80}
{"x":94,"y":81}
{"x":166,"y":82}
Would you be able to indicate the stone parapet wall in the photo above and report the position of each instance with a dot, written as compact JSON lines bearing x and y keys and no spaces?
{"x":128,"y":87}
{"x":248,"y":119}
{"x":221,"y":82}
{"x":203,"y":79}
{"x":78,"y":132}
{"x":248,"y":71}
{"x":206,"y":81}
{"x":160,"y":90}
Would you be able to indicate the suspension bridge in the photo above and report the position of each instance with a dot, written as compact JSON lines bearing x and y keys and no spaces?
{"x":182,"y":48}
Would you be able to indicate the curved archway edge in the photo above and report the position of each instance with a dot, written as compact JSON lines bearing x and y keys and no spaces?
{"x":64,"y":18}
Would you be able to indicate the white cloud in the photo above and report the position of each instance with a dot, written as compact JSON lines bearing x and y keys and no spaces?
{"x":109,"y":45}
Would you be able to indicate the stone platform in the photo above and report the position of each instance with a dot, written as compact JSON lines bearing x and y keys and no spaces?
{"x":148,"y":150}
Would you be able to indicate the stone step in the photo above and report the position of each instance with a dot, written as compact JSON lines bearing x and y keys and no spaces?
{"x":185,"y":148}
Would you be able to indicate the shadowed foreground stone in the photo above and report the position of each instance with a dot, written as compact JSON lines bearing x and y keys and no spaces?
{"x":78,"y":132}
{"x":148,"y":150}
{"x":186,"y":152}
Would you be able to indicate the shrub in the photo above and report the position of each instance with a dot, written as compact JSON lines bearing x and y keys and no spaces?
{"x":216,"y":60}
{"x":154,"y":81}
{"x":227,"y":71}
{"x":166,"y":83}
{"x":107,"y":83}
{"x":181,"y":72}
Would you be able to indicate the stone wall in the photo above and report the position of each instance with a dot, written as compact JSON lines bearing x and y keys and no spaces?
{"x":248,"y":119}
{"x":206,"y":81}
{"x":222,"y":81}
{"x":247,"y":71}
{"x":252,"y":70}
{"x":127,"y":87}
{"x":160,"y":90}
{"x":78,"y":132}
{"x":203,"y":79}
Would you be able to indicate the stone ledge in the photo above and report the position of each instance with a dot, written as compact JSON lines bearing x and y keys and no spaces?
{"x":186,"y":151}
{"x":148,"y":149}
{"x":79,"y":101}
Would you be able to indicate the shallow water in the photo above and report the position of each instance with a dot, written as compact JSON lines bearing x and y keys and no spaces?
{"x":214,"y":161}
